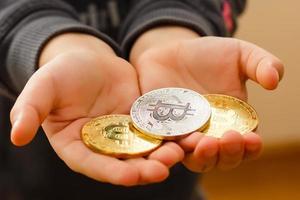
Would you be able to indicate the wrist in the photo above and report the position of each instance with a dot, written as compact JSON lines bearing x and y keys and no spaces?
{"x":158,"y":37}
{"x":68,"y":42}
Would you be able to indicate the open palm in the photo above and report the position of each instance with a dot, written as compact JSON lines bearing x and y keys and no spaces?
{"x":66,"y":93}
{"x":211,"y":65}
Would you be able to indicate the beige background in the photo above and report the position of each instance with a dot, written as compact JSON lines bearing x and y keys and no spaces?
{"x":275,"y":26}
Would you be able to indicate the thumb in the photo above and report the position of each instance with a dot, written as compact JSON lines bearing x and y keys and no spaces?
{"x":260,"y":65}
{"x":32,"y":107}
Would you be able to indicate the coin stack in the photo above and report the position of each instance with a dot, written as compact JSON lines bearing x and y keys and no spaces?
{"x":167,"y":114}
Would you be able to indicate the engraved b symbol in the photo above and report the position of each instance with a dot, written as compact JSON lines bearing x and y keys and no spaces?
{"x":159,"y":107}
{"x":117,"y":132}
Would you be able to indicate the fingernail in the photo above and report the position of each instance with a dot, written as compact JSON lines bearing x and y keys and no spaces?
{"x":15,"y":123}
{"x":13,"y":127}
{"x":15,"y":119}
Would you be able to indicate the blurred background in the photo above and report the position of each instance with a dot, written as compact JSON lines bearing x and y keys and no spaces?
{"x":275,"y":26}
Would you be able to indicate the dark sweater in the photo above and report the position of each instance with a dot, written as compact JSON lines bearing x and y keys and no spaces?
{"x":34,"y":171}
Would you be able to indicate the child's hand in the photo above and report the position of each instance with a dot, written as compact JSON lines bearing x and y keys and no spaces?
{"x":81,"y":78}
{"x":206,"y":65}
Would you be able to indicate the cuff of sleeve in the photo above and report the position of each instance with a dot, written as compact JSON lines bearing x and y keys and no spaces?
{"x":27,"y":45}
{"x":167,"y":16}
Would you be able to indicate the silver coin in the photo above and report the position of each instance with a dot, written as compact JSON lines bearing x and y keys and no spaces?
{"x":169,"y":113}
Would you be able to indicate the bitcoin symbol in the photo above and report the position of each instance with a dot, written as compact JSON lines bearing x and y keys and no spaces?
{"x":117,"y":132}
{"x":159,"y":108}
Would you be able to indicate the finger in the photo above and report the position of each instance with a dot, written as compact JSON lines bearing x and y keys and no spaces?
{"x":150,"y":171}
{"x":70,"y":148}
{"x":231,"y":150}
{"x":204,"y":157}
{"x":169,"y":154}
{"x":97,"y":166}
{"x":260,"y":65}
{"x":253,"y":146}
{"x":31,"y":107}
{"x":78,"y":157}
{"x":189,"y":143}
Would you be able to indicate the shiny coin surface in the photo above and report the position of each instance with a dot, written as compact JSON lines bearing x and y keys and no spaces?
{"x":229,"y":113}
{"x":170,"y":113}
{"x":114,"y":135}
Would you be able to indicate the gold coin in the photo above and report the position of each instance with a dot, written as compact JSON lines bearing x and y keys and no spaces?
{"x":115,"y":135}
{"x":229,"y":113}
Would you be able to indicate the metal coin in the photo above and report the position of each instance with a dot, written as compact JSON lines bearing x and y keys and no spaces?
{"x":229,"y":113}
{"x":114,"y":135}
{"x":170,"y":113}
